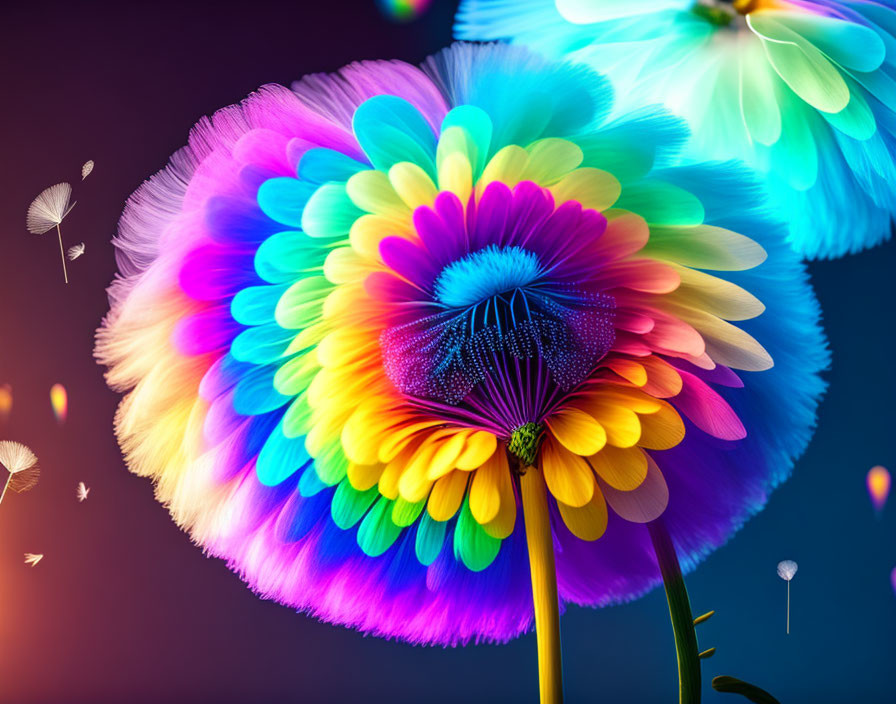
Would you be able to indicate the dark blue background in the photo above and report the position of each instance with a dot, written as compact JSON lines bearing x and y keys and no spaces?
{"x":124,"y":608}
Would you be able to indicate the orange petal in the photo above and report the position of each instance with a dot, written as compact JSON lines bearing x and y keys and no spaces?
{"x":623,"y":469}
{"x":446,"y":495}
{"x":588,"y":522}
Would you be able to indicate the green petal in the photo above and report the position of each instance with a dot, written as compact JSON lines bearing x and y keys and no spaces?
{"x":404,"y":513}
{"x":349,"y":505}
{"x":302,"y":303}
{"x":802,"y":67}
{"x":472,"y":545}
{"x":377,"y":532}
{"x":662,"y":203}
{"x":329,"y":212}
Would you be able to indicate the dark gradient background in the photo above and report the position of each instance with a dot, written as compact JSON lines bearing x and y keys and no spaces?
{"x":124,"y":609}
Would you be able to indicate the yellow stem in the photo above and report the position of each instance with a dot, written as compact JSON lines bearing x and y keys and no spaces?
{"x":544,"y":585}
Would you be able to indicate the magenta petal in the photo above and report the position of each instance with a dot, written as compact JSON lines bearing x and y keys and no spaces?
{"x":409,"y":260}
{"x":708,"y":411}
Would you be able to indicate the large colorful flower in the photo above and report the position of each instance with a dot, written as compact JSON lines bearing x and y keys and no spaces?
{"x":802,"y":90}
{"x":356,"y":316}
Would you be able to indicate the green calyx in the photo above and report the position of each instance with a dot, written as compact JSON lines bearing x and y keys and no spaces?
{"x":714,"y":15}
{"x":524,"y":442}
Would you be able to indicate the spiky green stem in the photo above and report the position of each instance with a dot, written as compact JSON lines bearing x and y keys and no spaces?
{"x":680,"y":613}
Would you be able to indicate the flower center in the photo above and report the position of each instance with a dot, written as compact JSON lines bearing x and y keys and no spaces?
{"x":484,"y":274}
{"x":722,"y":12}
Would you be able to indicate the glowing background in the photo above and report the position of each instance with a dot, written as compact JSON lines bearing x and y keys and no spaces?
{"x":123,"y":608}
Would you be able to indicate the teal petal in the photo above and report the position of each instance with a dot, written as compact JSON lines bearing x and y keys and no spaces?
{"x":310,"y":484}
{"x":263,"y":344}
{"x":321,"y":165}
{"x":284,"y":255}
{"x":430,"y":538}
{"x":477,"y":125}
{"x":255,"y":305}
{"x":391,"y":130}
{"x":280,"y":457}
{"x":283,"y":199}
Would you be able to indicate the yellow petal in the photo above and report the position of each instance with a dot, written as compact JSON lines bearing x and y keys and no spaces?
{"x":591,"y":187}
{"x":456,"y":175}
{"x":502,"y":525}
{"x":621,"y":423}
{"x":446,"y":495}
{"x":363,"y":476}
{"x":588,"y":522}
{"x":702,"y":291}
{"x":505,"y":166}
{"x":371,"y":191}
{"x":577,"y":431}
{"x":623,"y":469}
{"x":485,"y":488}
{"x":445,"y":459}
{"x":414,"y":485}
{"x":480,"y":446}
{"x":551,"y":159}
{"x":369,"y":230}
{"x":568,"y":476}
{"x":412,"y":184}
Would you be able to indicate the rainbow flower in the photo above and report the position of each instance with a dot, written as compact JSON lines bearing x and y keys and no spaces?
{"x":802,"y":90}
{"x":362,"y":322}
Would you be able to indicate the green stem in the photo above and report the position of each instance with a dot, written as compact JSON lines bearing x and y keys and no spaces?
{"x":680,"y":612}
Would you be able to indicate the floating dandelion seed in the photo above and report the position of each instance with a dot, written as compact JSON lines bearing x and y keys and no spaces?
{"x":83,"y":491}
{"x":59,"y":402}
{"x":21,"y":464}
{"x":878,"y":482}
{"x":86,"y":169}
{"x":33,"y":558}
{"x":403,"y":10}
{"x":47,"y":211}
{"x":5,"y":402}
{"x":786,"y":571}
{"x":76,"y":251}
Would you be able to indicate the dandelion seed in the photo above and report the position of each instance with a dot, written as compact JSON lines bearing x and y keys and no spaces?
{"x":75,"y":252}
{"x":59,"y":402}
{"x":33,"y":558}
{"x":21,"y":464}
{"x":5,"y":402}
{"x":86,"y":169}
{"x":83,"y":491}
{"x":878,"y":482}
{"x":786,"y":571}
{"x":47,"y":211}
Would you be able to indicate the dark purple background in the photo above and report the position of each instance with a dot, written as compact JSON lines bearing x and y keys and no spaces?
{"x":124,"y":609}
